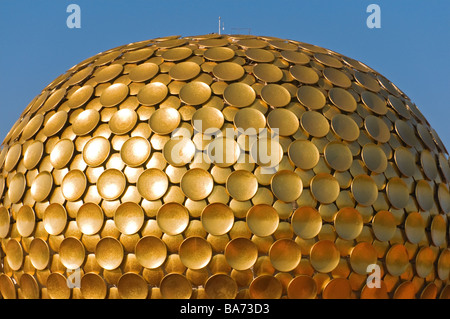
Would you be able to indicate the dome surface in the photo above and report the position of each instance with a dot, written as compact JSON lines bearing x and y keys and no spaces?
{"x":223,"y":166}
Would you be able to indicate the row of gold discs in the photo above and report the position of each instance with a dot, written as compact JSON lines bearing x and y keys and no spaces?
{"x":116,"y":154}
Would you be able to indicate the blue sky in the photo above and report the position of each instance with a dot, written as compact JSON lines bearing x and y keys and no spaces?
{"x":411,"y":48}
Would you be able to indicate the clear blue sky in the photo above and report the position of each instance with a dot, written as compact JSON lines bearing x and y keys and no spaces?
{"x":412,"y":48}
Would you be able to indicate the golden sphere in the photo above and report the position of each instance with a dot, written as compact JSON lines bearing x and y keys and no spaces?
{"x":223,"y":166}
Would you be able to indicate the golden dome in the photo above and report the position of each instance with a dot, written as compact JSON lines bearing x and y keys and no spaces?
{"x":223,"y":166}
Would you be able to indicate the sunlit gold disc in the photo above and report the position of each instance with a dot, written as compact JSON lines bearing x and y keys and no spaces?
{"x":304,"y":154}
{"x":438,"y":230}
{"x":152,"y":93}
{"x":143,"y":72}
{"x":304,"y":74}
{"x":111,"y":184}
{"x":207,"y":120}
{"x":415,"y":227}
{"x":33,"y":125}
{"x":93,"y":286}
{"x":172,"y":218}
{"x":129,"y":218}
{"x":405,"y":161}
{"x":337,"y":77}
{"x":286,"y":185}
{"x":275,"y":95}
{"x":368,"y":81}
{"x":197,"y":184}
{"x":55,"y":218}
{"x":342,"y":99}
{"x":374,"y":102}
{"x":152,"y":183}
{"x":114,"y":94}
{"x":267,"y":72}
{"x":221,"y":286}
{"x":4,"y":222}
{"x":73,"y":185}
{"x":228,"y":71}
{"x":122,"y":121}
{"x":283,"y":121}
{"x":14,"y":254}
{"x":219,"y":54}
{"x":242,"y":185}
{"x":406,"y":132}
{"x":265,"y":287}
{"x":338,"y":156}
{"x":374,"y":157}
{"x":17,"y":187}
{"x":324,"y":256}
{"x":337,"y":288}
{"x":348,"y":223}
{"x":262,"y":220}
{"x":424,"y":195}
{"x":90,"y":218}
{"x":306,"y":222}
{"x":325,"y":188}
{"x":399,"y":106}
{"x":29,"y":287}
{"x":223,"y":152}
{"x":184,"y":71}
{"x":397,"y":192}
{"x":424,"y":261}
{"x":137,"y":55}
{"x":315,"y":123}
{"x":132,"y":286}
{"x":397,"y":260}
{"x":259,"y":55}
{"x":249,"y":121}
{"x":33,"y":155}
{"x":302,"y":287}
{"x":311,"y":97}
{"x":239,"y":94}
{"x":217,"y":218}
{"x":164,"y":121}
{"x":85,"y":122}
{"x":383,"y":225}
{"x":108,"y":73}
{"x":72,"y":253}
{"x":55,"y":123}
{"x":179,"y":151}
{"x":62,"y":153}
{"x":241,"y":253}
{"x":135,"y":151}
{"x":12,"y":157}
{"x":377,"y":129}
{"x":95,"y":151}
{"x":109,"y":253}
{"x":41,"y":186}
{"x":364,"y":190}
{"x":345,"y":127}
{"x":57,"y":287}
{"x":202,"y":256}
{"x":151,"y":252}
{"x":175,"y":286}
{"x":443,"y":264}
{"x":195,"y":93}
{"x":80,"y":96}
{"x":285,"y":254}
{"x":295,"y":57}
{"x":267,"y":153}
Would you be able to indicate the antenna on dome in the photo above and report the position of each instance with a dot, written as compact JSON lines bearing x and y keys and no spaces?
{"x":221,"y":26}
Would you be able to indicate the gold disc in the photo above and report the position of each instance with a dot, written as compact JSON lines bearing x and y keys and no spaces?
{"x":338,"y":156}
{"x":41,"y":186}
{"x":384,"y":225}
{"x":152,"y":184}
{"x":304,"y":154}
{"x":268,"y":73}
{"x":374,"y":158}
{"x":275,"y":95}
{"x":57,"y":287}
{"x":195,"y":93}
{"x":342,"y":99}
{"x":228,"y":71}
{"x":217,"y":219}
{"x":114,"y":94}
{"x":374,"y":102}
{"x":415,"y":227}
{"x":397,"y":192}
{"x":175,"y":286}
{"x":207,"y":120}
{"x":73,"y":185}
{"x":197,"y":184}
{"x":172,"y":218}
{"x":262,"y":220}
{"x":249,"y":121}
{"x":72,"y":253}
{"x":286,"y":185}
{"x":132,"y":286}
{"x":123,"y":121}
{"x":164,"y":121}
{"x":302,"y":287}
{"x":364,"y":190}
{"x":241,"y":185}
{"x":33,"y":155}
{"x":324,"y":256}
{"x":337,"y":288}
{"x":111,"y":184}
{"x":221,"y":286}
{"x":285,"y":254}
{"x":55,"y":219}
{"x":239,"y":94}
{"x":109,"y":253}
{"x":405,"y":161}
{"x":90,"y":218}
{"x":151,"y":252}
{"x":39,"y":253}
{"x":348,"y":223}
{"x":17,"y":187}
{"x":4,"y":222}
{"x":219,"y":54}
{"x":337,"y":77}
{"x":152,"y":93}
{"x":92,"y":286}
{"x":345,"y":127}
{"x":311,"y":97}
{"x":295,"y":57}
{"x":143,"y":72}
{"x":265,"y":287}
{"x":314,"y":123}
{"x":397,"y":260}
{"x":55,"y":123}
{"x":184,"y":71}
{"x":62,"y":153}
{"x":135,"y":151}
{"x":179,"y":151}
{"x":302,"y":73}
{"x":377,"y":129}
{"x":202,"y":256}
{"x":259,"y":55}
{"x":241,"y":253}
{"x":325,"y":188}
{"x":95,"y":151}
{"x":283,"y":121}
{"x":129,"y":218}
{"x":108,"y":73}
{"x":306,"y":222}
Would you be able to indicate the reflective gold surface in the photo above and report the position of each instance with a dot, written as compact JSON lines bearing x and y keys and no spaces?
{"x":223,"y":166}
